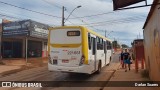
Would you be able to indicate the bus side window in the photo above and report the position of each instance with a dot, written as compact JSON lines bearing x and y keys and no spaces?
{"x":98,"y":42}
{"x":109,"y":46}
{"x":104,"y":47}
{"x":89,"y":41}
{"x":102,"y":44}
{"x":94,"y":45}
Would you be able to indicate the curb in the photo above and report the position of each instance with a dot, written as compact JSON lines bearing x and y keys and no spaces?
{"x":10,"y":72}
{"x":5,"y":73}
{"x":22,"y":67}
{"x":110,"y":77}
{"x":107,"y":80}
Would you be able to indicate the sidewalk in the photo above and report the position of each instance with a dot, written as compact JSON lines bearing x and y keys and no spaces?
{"x":15,"y":65}
{"x":4,"y":68}
{"x":120,"y":75}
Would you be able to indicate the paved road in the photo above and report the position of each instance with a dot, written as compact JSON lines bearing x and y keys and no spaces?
{"x":42,"y":74}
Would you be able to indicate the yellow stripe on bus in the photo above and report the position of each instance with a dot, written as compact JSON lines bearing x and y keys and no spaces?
{"x":65,"y":45}
{"x":85,"y":44}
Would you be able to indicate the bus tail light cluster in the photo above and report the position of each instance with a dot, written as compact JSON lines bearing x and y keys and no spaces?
{"x":49,"y":59}
{"x":82,"y":60}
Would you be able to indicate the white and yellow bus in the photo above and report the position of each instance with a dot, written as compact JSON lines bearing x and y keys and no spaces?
{"x":77,"y":49}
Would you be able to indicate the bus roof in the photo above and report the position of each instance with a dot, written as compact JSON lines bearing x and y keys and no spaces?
{"x":91,"y":31}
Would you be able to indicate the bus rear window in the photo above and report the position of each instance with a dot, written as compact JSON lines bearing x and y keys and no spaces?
{"x":73,"y":33}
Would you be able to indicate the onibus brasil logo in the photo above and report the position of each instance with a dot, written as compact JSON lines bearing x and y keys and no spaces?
{"x":20,"y":84}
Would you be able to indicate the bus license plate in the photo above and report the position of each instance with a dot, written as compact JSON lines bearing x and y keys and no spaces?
{"x":65,"y":61}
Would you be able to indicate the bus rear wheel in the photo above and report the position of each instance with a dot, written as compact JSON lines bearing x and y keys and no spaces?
{"x":109,"y":61}
{"x":99,"y":67}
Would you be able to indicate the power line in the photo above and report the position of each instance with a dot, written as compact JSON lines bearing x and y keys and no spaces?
{"x":17,"y":18}
{"x":84,"y":22}
{"x":60,"y":7}
{"x":115,"y":21}
{"x":29,"y":10}
{"x":52,"y":4}
{"x":118,"y":20}
{"x":93,"y":26}
{"x":125,"y":20}
{"x":4,"y":15}
{"x":75,"y":17}
{"x":94,"y":15}
{"x":111,"y":21}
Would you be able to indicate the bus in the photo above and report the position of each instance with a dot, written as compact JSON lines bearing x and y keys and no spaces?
{"x":77,"y":49}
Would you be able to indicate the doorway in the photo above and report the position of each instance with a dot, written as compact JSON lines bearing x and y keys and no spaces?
{"x":12,"y":49}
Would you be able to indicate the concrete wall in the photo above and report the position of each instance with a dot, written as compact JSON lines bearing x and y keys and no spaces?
{"x":138,"y":50}
{"x":44,"y":49}
{"x":152,"y":45}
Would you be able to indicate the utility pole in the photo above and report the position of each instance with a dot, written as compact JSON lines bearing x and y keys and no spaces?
{"x":105,"y":33}
{"x":63,"y":8}
{"x":26,"y":42}
{"x":1,"y":34}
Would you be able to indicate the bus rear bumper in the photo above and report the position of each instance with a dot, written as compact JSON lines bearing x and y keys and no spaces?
{"x":78,"y":69}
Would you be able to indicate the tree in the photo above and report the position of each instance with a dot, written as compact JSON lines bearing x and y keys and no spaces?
{"x":115,"y":44}
{"x":124,"y":46}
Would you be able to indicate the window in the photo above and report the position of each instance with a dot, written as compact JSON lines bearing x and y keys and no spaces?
{"x":98,"y":40}
{"x":99,"y":43}
{"x":105,"y":45}
{"x":109,"y":45}
{"x":94,"y":45}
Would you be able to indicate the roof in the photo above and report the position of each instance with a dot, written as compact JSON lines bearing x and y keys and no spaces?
{"x":150,"y":12}
{"x":138,"y":40}
{"x":7,"y":21}
{"x":91,"y":31}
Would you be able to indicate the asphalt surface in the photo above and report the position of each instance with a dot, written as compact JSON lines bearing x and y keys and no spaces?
{"x":42,"y":74}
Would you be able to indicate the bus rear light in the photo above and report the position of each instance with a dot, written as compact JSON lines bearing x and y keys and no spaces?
{"x":82,"y":60}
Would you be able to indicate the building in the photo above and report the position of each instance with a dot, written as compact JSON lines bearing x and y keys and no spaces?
{"x":152,"y":41}
{"x":138,"y":49}
{"x":4,"y":21}
{"x":138,"y":53}
{"x":24,"y":38}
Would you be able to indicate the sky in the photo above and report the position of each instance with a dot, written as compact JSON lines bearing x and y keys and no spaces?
{"x":98,"y":15}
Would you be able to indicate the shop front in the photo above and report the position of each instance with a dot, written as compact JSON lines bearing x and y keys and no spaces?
{"x":24,"y":38}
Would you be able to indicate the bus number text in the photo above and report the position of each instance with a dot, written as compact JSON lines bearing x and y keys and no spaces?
{"x":73,"y":52}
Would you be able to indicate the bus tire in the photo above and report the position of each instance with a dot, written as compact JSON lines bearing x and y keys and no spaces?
{"x":109,"y":61}
{"x":99,"y":67}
